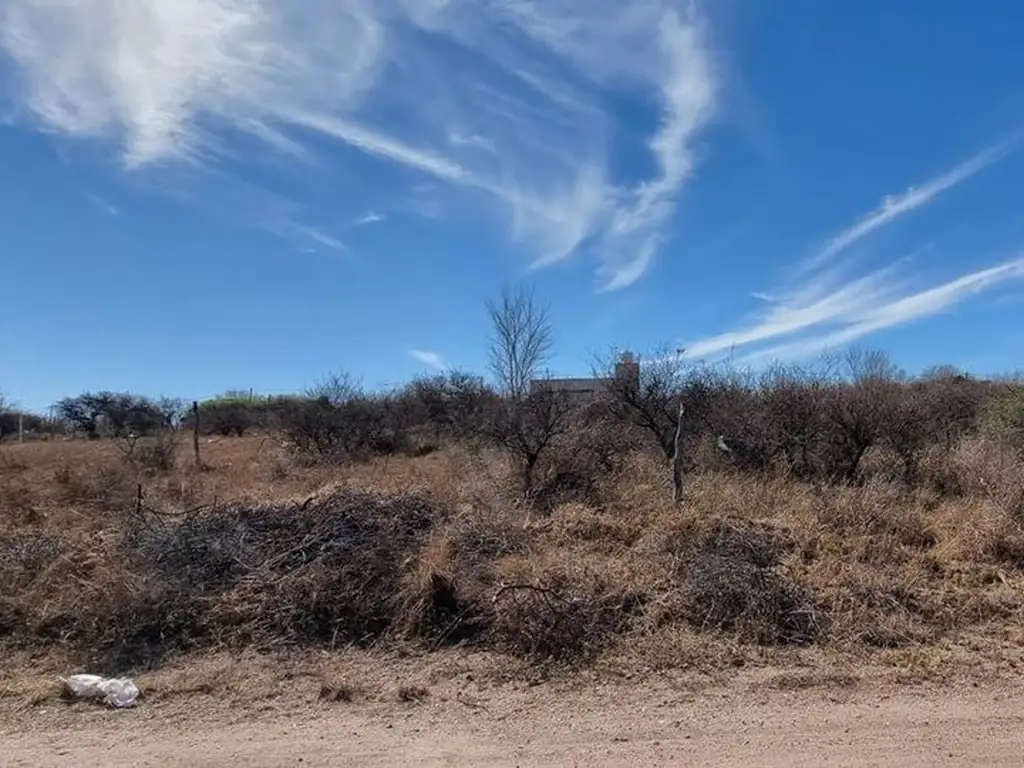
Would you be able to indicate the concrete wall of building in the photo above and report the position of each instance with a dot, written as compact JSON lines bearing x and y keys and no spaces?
{"x":627,"y":370}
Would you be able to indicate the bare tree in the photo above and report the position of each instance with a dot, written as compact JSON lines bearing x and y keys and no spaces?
{"x":172,"y":410}
{"x":521,"y":341}
{"x":652,"y":402}
{"x":335,"y":388}
{"x":871,"y":366}
{"x":528,"y":428}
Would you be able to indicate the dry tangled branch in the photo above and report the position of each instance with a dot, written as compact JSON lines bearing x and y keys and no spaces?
{"x":538,"y":622}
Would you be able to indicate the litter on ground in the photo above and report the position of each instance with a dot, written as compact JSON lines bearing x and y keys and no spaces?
{"x":116,"y":692}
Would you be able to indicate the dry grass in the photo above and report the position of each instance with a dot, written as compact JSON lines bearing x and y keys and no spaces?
{"x":751,"y":570}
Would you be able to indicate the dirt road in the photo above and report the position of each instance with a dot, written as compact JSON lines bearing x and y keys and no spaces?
{"x":611,"y":727}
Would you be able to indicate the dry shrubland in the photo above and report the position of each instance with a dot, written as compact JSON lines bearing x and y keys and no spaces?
{"x":870,"y":519}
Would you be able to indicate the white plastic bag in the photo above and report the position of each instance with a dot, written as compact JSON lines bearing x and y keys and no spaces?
{"x":117,"y":692}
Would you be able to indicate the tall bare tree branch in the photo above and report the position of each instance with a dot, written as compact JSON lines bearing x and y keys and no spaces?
{"x":520,"y":343}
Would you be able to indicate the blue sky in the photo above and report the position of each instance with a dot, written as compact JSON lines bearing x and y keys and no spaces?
{"x":201,"y":195}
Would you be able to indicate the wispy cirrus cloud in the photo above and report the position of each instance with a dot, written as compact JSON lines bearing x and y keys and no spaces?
{"x":471,"y":140}
{"x":800,"y":312}
{"x":430,"y":359}
{"x":516,"y":108}
{"x":104,"y":206}
{"x":895,"y":206}
{"x":320,"y":237}
{"x":370,"y":217}
{"x":826,"y":312}
{"x":897,"y":311}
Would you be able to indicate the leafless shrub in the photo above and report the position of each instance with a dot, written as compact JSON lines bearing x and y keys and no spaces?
{"x":113,"y":413}
{"x":981,"y":466}
{"x":227,"y":416}
{"x":821,"y":422}
{"x":651,"y":403}
{"x":453,"y":406}
{"x":909,"y":427}
{"x":15,"y":423}
{"x":335,"y":388}
{"x":155,"y":454}
{"x":527,"y":428}
{"x":584,"y":461}
{"x":739,"y":435}
{"x":856,"y":414}
{"x":160,"y":453}
{"x":790,"y":399}
{"x":1003,"y":417}
{"x":355,"y":429}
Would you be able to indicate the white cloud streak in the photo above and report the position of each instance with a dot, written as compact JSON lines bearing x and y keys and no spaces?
{"x":831,"y":313}
{"x":688,"y":94}
{"x":900,"y":311}
{"x":318,"y":236}
{"x":526,"y":123}
{"x":430,"y":359}
{"x":895,"y":206}
{"x":370,"y":217}
{"x":824,"y":319}
{"x":796,"y":315}
{"x":107,"y":208}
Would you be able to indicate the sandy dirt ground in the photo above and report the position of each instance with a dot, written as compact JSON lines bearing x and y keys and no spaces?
{"x":604,"y":726}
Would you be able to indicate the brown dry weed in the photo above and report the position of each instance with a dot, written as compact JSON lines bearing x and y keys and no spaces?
{"x":750,"y":570}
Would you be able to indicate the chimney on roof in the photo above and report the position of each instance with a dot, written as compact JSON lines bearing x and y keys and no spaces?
{"x":627,"y":370}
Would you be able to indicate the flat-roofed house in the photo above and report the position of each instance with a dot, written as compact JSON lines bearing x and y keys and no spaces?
{"x":627,"y":369}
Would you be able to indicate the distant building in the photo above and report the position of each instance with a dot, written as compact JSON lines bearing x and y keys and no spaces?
{"x":627,"y":370}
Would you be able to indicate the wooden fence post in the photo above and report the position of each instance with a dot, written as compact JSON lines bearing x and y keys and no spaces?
{"x":677,"y":458}
{"x":195,"y":432}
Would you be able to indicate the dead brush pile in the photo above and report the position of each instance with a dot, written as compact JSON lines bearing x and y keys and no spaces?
{"x":322,"y":572}
{"x":731,"y":583}
{"x":361,"y":567}
{"x":329,"y":572}
{"x":22,"y":558}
